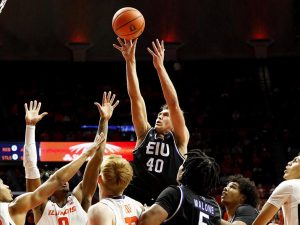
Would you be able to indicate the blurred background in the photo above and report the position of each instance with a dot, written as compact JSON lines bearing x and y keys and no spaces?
{"x":235,"y":65}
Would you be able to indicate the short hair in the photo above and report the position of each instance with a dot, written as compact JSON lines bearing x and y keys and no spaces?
{"x":116,"y":173}
{"x":247,"y":188}
{"x":200,"y":172}
{"x":164,"y":107}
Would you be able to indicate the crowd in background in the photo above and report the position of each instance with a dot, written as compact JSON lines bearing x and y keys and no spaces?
{"x":246,"y":119}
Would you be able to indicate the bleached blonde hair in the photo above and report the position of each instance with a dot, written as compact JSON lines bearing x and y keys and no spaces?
{"x":116,"y":173}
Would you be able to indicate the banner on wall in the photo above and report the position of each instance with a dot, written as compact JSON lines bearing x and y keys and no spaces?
{"x":67,"y":151}
{"x":62,"y":151}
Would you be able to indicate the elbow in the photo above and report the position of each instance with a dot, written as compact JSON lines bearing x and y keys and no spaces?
{"x":145,"y":219}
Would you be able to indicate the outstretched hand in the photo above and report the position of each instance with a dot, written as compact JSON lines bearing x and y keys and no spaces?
{"x":32,"y":116}
{"x":158,"y":53}
{"x":108,"y":105}
{"x":127,"y":48}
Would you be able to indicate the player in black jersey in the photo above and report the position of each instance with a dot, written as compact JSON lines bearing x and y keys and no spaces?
{"x":189,"y":203}
{"x":241,"y":200}
{"x":159,"y":150}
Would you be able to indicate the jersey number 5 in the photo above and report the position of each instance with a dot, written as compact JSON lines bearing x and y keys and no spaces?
{"x":201,"y":216}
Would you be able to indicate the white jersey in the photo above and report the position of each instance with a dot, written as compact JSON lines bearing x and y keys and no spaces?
{"x":126,"y":209}
{"x":287,"y":196}
{"x":71,"y":214}
{"x":5,"y":218}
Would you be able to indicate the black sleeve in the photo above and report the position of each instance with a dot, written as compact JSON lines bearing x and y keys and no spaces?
{"x":169,"y":199}
{"x":246,"y":214}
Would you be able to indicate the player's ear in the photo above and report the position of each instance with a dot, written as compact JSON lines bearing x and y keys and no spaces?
{"x":243,"y":198}
{"x":100,"y":179}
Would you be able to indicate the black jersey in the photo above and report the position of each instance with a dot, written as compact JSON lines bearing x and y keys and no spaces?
{"x":245,"y":213}
{"x":155,"y":165}
{"x":185,"y":207}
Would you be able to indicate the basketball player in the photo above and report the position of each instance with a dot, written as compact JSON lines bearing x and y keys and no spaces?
{"x":286,"y":196}
{"x":65,"y":207}
{"x":114,"y":208}
{"x":13,"y":211}
{"x":189,"y":203}
{"x":241,"y":200}
{"x":159,"y":150}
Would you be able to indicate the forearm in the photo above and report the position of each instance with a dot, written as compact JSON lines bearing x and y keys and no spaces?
{"x":92,"y":168}
{"x":133,"y":87}
{"x":103,"y":127}
{"x":65,"y":173}
{"x":167,"y":86}
{"x":30,"y":154}
{"x":91,"y":174}
{"x":29,"y":135}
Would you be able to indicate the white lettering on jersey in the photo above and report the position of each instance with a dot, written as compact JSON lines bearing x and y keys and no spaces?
{"x":204,"y":207}
{"x":157,"y":148}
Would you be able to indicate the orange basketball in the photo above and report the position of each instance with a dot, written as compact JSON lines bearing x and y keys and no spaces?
{"x":128,"y":23}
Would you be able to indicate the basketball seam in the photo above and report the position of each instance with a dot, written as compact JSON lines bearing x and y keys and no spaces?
{"x":137,"y":30}
{"x":128,"y":10}
{"x":128,"y":22}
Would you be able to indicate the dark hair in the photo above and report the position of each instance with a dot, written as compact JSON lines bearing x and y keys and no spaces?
{"x":247,"y":188}
{"x":200,"y":172}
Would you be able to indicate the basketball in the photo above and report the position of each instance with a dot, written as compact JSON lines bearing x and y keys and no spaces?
{"x":128,"y":23}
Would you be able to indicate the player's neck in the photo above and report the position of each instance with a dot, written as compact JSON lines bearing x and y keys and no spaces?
{"x":105,"y":194}
{"x":231,"y":211}
{"x":60,"y":200}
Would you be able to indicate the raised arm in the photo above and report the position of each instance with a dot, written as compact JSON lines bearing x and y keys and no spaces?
{"x":32,"y":117}
{"x":266,"y":214}
{"x":31,"y":200}
{"x":138,"y":106}
{"x":85,"y":190}
{"x":180,"y":130}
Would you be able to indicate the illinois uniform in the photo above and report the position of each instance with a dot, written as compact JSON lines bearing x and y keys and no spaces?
{"x":185,"y":207}
{"x":287,"y":196}
{"x":126,"y":209}
{"x":5,"y":218}
{"x":155,"y":165}
{"x":71,"y":214}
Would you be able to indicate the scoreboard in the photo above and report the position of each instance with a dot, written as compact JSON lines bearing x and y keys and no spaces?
{"x":11,"y":151}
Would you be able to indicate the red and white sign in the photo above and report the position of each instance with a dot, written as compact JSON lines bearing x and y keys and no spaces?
{"x":67,"y":151}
